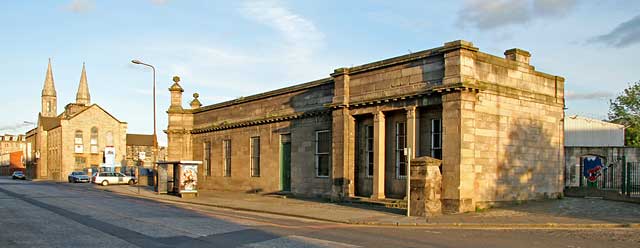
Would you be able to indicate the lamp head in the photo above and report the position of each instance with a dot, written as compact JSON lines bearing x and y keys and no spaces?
{"x":135,"y":61}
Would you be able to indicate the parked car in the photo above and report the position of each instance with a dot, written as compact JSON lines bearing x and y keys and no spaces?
{"x":106,"y":178}
{"x":78,"y":177}
{"x":18,"y":175}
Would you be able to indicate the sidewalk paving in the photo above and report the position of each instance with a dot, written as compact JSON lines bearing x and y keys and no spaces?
{"x":563,"y":213}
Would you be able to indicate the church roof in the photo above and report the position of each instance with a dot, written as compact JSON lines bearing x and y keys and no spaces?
{"x":49,"y":88}
{"x":93,"y":105}
{"x":140,"y":139}
{"x":49,"y":123}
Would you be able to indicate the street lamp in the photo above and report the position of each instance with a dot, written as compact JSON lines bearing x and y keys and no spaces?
{"x":155,"y":138}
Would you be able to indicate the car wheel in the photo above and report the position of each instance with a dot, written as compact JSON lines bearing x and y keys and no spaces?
{"x":105,"y":183}
{"x":131,"y":182}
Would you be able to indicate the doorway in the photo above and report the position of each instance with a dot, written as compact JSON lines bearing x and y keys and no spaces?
{"x":285,"y":162}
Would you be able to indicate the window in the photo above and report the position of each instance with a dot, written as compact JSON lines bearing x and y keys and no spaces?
{"x":401,"y":143}
{"x":226,"y":157}
{"x":369,"y":150}
{"x":48,"y":106}
{"x":436,"y":138}
{"x":94,"y":140}
{"x":80,"y":162}
{"x":207,"y":158}
{"x":323,"y":151}
{"x":79,"y":148}
{"x":255,"y":156}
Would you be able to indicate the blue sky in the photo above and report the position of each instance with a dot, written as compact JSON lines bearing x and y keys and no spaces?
{"x":227,"y":49}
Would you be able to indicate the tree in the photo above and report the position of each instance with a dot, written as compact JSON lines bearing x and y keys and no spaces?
{"x":625,"y":110}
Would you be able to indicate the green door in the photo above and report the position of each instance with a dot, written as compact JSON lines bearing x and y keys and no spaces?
{"x":285,"y":163}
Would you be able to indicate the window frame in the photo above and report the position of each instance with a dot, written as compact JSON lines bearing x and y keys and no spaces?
{"x":433,"y":138}
{"x":93,"y":141}
{"x":78,"y":142}
{"x":254,"y":160}
{"x":400,"y":158}
{"x":369,"y":154}
{"x":318,"y":154}
{"x":226,"y":157}
{"x":206,"y":158}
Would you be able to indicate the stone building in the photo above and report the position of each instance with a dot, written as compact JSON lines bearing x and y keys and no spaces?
{"x":495,"y":122}
{"x":140,"y":150}
{"x":74,"y":139}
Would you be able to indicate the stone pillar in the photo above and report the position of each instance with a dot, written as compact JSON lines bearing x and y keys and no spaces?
{"x":378,"y":155}
{"x":458,"y":178}
{"x":411,"y":130}
{"x":343,"y":157}
{"x":426,"y":187}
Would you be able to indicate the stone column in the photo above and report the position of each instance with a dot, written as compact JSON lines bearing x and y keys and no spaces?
{"x":342,"y":155}
{"x":378,"y":155}
{"x":458,"y":178}
{"x":411,"y":130}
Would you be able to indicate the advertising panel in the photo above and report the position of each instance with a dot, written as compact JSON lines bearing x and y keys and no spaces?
{"x":110,"y":156}
{"x":188,"y":179}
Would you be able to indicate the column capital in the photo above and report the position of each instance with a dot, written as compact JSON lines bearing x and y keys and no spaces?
{"x":411,"y":111}
{"x":378,"y":116}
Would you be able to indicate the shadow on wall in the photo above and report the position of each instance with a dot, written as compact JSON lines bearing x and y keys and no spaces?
{"x":531,"y":167}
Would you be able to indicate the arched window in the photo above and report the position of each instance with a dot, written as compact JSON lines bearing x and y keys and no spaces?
{"x":109,"y":138}
{"x":94,"y":140}
{"x":79,"y":148}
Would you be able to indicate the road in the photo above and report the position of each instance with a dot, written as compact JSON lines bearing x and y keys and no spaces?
{"x":39,"y":214}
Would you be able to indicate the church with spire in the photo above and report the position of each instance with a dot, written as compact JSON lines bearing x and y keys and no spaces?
{"x":83,"y":137}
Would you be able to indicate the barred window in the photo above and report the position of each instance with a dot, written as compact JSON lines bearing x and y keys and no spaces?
{"x":401,"y":143}
{"x":255,"y":156}
{"x":323,"y":153}
{"x":436,"y":138}
{"x":226,"y":157}
{"x":207,"y":158}
{"x":369,"y":150}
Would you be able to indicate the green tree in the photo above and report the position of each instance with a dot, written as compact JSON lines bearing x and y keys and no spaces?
{"x":625,"y":110}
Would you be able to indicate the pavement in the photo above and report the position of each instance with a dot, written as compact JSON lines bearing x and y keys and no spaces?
{"x":46,"y":214}
{"x":561,"y":213}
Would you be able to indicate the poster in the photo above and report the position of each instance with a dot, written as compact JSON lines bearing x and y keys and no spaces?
{"x":188,"y":178}
{"x":109,"y":156}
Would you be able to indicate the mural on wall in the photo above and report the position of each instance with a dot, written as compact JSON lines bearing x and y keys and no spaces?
{"x":592,"y":168}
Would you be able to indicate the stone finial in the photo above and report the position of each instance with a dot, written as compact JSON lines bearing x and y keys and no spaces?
{"x":516,"y":54}
{"x":176,"y":86}
{"x":195,"y":103}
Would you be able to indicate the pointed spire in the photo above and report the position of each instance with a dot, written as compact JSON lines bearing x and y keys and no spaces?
{"x":49,"y":88}
{"x":83,"y":97}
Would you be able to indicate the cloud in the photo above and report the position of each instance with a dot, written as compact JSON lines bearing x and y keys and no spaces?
{"x":301,"y":36}
{"x":491,"y":14}
{"x":80,"y":6}
{"x":624,"y":35}
{"x":597,"y":95}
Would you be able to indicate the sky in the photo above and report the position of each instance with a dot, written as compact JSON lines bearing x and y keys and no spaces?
{"x":227,"y":49}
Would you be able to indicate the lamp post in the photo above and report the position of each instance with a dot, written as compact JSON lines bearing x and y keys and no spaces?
{"x":155,"y":138}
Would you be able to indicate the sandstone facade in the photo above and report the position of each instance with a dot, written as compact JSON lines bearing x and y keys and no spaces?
{"x":495,"y":122}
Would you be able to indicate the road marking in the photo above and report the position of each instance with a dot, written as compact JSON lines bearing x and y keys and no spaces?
{"x":298,"y":241}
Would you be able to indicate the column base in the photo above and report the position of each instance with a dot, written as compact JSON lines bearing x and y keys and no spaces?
{"x":451,"y":206}
{"x":378,"y":197}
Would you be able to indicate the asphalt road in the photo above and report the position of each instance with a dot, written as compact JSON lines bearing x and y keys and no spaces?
{"x":38,"y":214}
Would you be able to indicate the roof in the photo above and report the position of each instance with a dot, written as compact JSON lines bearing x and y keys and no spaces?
{"x":140,"y":139}
{"x":49,"y":123}
{"x":98,"y":106}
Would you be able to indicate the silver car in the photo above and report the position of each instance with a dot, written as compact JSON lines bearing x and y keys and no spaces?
{"x":106,"y":178}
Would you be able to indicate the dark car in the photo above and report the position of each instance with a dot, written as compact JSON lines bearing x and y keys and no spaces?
{"x":78,"y":177}
{"x":18,"y":175}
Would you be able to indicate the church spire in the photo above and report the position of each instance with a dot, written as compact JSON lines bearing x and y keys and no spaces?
{"x":83,"y":97}
{"x":48,"y":98}
{"x":49,"y":88}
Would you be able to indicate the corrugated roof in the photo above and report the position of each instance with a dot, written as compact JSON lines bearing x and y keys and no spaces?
{"x":140,"y":139}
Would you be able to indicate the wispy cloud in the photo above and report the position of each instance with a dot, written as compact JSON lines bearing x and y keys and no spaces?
{"x":491,"y":14}
{"x":301,"y":36}
{"x":596,"y":95}
{"x":623,"y":35}
{"x":80,"y":6}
